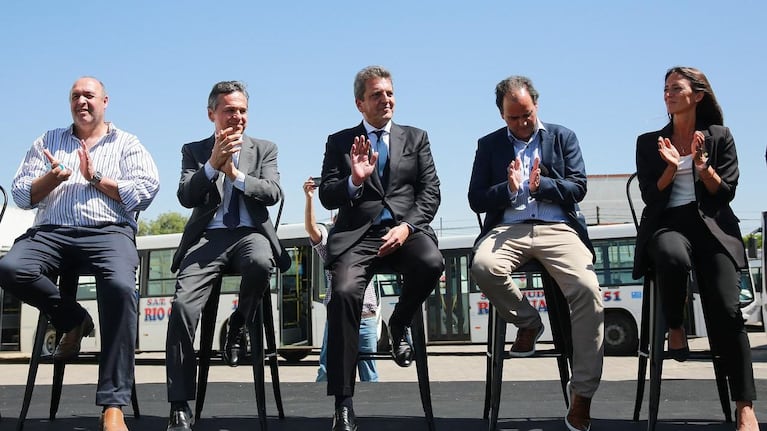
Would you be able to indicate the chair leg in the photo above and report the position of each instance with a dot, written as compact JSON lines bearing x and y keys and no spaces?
{"x":497,"y":356}
{"x":206,"y":347}
{"x":58,"y":382}
{"x":271,"y":351}
{"x":644,"y":348}
{"x":561,"y":332}
{"x":134,"y":402}
{"x":719,"y":373}
{"x":489,"y":362}
{"x":34,"y":361}
{"x":422,"y":366}
{"x":256,"y":330}
{"x":657,"y":339}
{"x":721,"y":386}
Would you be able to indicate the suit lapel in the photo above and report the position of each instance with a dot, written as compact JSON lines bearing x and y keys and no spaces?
{"x":247,"y":155}
{"x":397,"y":141}
{"x":547,"y":149}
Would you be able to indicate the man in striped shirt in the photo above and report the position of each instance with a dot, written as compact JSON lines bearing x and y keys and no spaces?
{"x":87,"y":182}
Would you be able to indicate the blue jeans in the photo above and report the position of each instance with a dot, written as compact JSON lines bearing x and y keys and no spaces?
{"x":368,"y":344}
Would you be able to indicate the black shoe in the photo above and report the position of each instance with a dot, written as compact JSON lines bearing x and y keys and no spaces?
{"x":69,"y":345}
{"x":401,"y":344}
{"x":181,"y":419}
{"x":235,"y":340}
{"x":679,"y":355}
{"x":344,"y":420}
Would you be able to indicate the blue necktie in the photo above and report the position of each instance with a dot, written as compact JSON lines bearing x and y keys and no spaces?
{"x":232,"y":215}
{"x":383,"y":157}
{"x":383,"y":154}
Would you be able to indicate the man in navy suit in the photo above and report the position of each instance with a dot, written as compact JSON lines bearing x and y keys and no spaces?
{"x":381,"y":178}
{"x":529,"y":177}
{"x":229,"y":180}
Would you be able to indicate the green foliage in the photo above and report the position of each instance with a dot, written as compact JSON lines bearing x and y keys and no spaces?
{"x":753,"y":242}
{"x":170,"y":222}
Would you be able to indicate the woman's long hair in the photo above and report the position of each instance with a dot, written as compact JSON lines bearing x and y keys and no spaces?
{"x":708,"y":111}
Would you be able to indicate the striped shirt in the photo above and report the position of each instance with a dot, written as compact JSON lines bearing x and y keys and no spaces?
{"x":369,"y":302}
{"x":118,"y":155}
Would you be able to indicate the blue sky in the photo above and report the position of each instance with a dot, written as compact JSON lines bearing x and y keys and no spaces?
{"x":598,"y":66}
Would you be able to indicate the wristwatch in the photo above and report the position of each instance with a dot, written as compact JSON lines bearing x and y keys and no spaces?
{"x":96,"y":178}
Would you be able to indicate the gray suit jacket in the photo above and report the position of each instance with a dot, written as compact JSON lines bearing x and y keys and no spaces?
{"x":258,"y":160}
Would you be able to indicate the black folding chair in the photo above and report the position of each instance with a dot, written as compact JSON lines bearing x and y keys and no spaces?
{"x":418,"y":335}
{"x":559,"y":323}
{"x":652,"y":337}
{"x":2,"y":213}
{"x":262,"y":322}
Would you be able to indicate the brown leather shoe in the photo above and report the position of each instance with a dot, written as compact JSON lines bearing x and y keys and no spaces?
{"x":524,"y":344}
{"x":69,"y":345}
{"x":112,"y":420}
{"x":578,"y":417}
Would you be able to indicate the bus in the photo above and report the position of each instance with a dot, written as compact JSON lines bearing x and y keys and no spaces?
{"x":455,"y":313}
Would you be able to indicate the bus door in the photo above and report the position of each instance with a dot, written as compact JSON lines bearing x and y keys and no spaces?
{"x":447,"y":308}
{"x":295,"y":301}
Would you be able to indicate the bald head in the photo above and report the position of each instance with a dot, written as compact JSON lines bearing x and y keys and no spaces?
{"x":88,"y":101}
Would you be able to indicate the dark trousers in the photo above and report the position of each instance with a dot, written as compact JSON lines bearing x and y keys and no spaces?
{"x":682,"y":243}
{"x":109,"y":254}
{"x":420,"y":263}
{"x":220,"y":251}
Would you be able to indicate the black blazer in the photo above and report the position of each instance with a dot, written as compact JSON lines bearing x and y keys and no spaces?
{"x":714,"y":210}
{"x":258,"y":160}
{"x":563,"y":176}
{"x":411,"y":194}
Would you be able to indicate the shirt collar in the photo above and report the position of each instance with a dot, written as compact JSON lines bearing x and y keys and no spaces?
{"x":110,"y":128}
{"x":538,"y":129}
{"x":370,"y":129}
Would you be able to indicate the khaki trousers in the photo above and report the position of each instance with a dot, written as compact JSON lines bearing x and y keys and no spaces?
{"x":569,"y":262}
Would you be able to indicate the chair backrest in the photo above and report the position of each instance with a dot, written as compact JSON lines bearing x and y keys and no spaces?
{"x":5,"y":202}
{"x":631,"y":201}
{"x":479,"y":221}
{"x":279,"y":211}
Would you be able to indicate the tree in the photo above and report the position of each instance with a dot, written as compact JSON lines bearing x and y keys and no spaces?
{"x":169,"y":222}
{"x":753,"y":243}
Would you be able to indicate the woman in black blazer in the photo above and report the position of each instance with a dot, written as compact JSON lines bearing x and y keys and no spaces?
{"x":688,"y":173}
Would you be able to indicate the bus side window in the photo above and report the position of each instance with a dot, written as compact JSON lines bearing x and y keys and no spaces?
{"x":162,"y":282}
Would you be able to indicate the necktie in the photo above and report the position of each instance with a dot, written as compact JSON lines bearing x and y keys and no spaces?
{"x":232,"y":215}
{"x":383,"y":157}
{"x":383,"y":154}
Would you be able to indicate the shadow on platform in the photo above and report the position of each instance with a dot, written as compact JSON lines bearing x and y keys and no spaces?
{"x":525,"y":406}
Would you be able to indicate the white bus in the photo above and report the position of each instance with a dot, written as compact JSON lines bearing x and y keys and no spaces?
{"x":455,"y":313}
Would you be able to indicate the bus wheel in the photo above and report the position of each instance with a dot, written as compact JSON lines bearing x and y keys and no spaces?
{"x":294,"y":355}
{"x":621,"y":338}
{"x":49,"y":343}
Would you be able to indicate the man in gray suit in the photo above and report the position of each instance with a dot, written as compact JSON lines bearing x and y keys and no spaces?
{"x":228,"y":180}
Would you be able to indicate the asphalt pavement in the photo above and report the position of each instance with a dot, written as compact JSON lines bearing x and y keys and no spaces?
{"x":531,"y":398}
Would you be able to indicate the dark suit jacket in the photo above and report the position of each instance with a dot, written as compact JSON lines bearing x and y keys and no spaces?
{"x":258,"y":160}
{"x":411,"y":194}
{"x":714,"y":210}
{"x":563,"y":176}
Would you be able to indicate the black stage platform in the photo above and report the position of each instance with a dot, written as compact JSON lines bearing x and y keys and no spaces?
{"x":526,"y":406}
